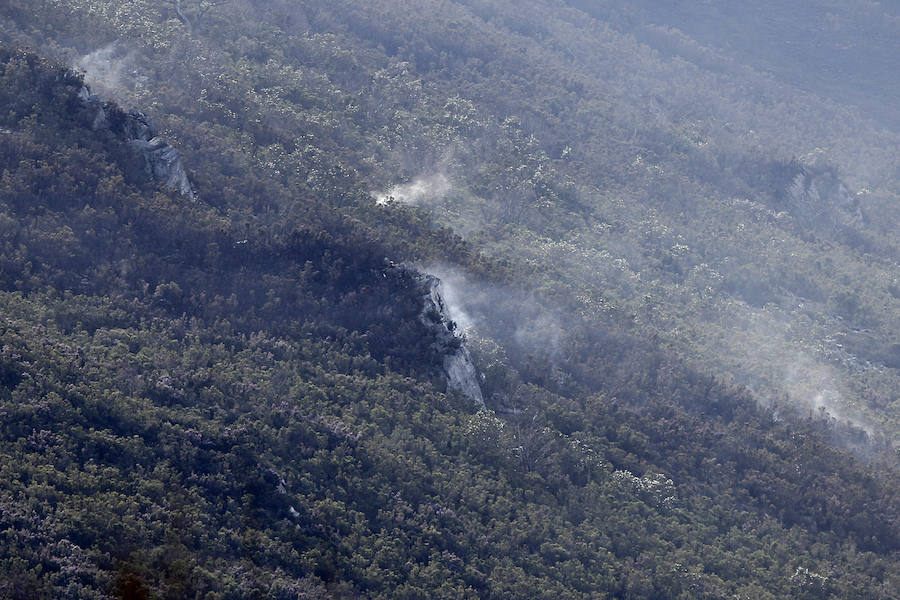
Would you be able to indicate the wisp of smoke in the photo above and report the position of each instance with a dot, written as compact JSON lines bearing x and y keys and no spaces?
{"x":811,"y":382}
{"x":542,"y":334}
{"x":502,"y":313}
{"x":458,"y":293}
{"x":106,"y":69}
{"x":421,"y":190}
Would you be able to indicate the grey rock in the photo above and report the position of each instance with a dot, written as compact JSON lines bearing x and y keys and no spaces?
{"x":819,"y":196}
{"x":161,"y":161}
{"x":458,"y":367}
{"x":137,"y":127}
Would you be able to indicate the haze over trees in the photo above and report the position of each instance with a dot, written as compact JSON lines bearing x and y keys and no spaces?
{"x":666,"y":234}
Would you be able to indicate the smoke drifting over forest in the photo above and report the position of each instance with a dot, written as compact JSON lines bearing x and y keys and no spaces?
{"x":666,"y":235}
{"x":110,"y":70}
{"x":422,"y":190}
{"x":514,"y":317}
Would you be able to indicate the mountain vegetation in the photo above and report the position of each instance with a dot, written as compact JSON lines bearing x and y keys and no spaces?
{"x":672,"y":259}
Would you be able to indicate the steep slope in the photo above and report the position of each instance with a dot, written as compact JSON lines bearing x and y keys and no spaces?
{"x":843,"y":51}
{"x":613,"y":157}
{"x":239,"y":397}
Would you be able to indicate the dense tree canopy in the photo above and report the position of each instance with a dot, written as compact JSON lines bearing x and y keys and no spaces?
{"x":682,"y":323}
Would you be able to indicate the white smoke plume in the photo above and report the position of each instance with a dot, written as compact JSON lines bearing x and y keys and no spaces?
{"x":542,"y":334}
{"x":109,"y":70}
{"x":815,"y":384}
{"x":458,"y":294}
{"x":422,"y":190}
{"x":778,"y":360}
{"x":500,"y":311}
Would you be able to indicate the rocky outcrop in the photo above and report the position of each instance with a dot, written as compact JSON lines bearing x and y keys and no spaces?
{"x":457,"y":362}
{"x":161,"y":162}
{"x":818,"y":196}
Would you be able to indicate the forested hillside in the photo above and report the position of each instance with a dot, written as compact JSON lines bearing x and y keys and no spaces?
{"x":673,"y":264}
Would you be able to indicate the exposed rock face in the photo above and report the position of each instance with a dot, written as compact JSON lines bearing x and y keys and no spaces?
{"x":458,"y":366}
{"x":161,"y":161}
{"x":819,"y":196}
